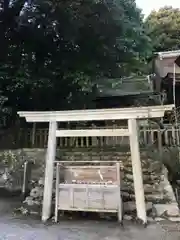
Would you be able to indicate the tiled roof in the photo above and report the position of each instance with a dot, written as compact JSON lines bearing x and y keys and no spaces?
{"x":123,"y":87}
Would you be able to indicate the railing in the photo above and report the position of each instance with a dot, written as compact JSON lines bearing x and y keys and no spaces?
{"x":38,"y":139}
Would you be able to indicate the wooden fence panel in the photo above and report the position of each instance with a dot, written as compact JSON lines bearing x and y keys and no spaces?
{"x":168,"y":136}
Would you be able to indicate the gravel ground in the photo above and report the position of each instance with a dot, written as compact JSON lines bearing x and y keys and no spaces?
{"x":13,"y":228}
{"x":26,"y":230}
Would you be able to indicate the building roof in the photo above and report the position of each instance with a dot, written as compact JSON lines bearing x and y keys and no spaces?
{"x":123,"y":86}
{"x":168,"y":54}
{"x":167,"y":62}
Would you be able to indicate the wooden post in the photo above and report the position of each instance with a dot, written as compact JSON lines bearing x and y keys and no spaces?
{"x":137,"y":170}
{"x":119,"y":193}
{"x":26,"y":177}
{"x":57,"y":191}
{"x":49,"y":170}
{"x":33,"y":134}
{"x":160,"y":148}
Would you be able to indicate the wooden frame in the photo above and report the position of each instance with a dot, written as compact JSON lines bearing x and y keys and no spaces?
{"x":131,"y":114}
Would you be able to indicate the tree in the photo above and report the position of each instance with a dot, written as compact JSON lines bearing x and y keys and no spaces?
{"x":53,"y":51}
{"x":163,"y":28}
{"x":133,"y":37}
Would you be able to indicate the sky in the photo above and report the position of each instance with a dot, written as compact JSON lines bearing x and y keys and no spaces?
{"x":149,"y":5}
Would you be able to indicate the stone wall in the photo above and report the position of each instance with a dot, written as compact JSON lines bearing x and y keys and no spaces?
{"x":158,"y":192}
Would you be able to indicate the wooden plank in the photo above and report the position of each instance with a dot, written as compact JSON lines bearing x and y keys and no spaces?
{"x":89,"y":167}
{"x":152,"y":136}
{"x":33,"y":135}
{"x":86,"y":174}
{"x":92,"y":133}
{"x":143,"y":135}
{"x":80,"y":185}
{"x":177,"y":134}
{"x":26,"y":176}
{"x":173,"y":136}
{"x":71,"y":196}
{"x":88,"y":210}
{"x":87,"y":196}
{"x":159,"y":137}
{"x":95,"y":199}
{"x":85,"y":162}
{"x":166,"y":137}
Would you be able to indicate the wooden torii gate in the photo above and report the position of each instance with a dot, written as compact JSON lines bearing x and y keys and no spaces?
{"x":131,"y":114}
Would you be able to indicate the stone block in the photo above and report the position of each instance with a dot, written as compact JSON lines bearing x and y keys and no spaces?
{"x":150,"y":220}
{"x":170,"y":210}
{"x":174,"y":219}
{"x":127,"y":217}
{"x":159,"y":219}
{"x":36,"y":192}
{"x":131,"y":207}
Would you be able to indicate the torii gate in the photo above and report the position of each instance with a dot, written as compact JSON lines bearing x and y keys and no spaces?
{"x":131,"y":114}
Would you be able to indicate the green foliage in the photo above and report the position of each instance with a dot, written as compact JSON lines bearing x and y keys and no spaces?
{"x":134,"y":40}
{"x":12,"y":169}
{"x":13,"y":161}
{"x":53,"y":51}
{"x":4,"y":111}
{"x":163,"y":28}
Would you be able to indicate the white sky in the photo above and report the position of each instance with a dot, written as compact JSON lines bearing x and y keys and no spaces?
{"x":149,"y":5}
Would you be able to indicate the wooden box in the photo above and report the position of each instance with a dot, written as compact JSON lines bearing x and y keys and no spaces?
{"x":89,"y":188}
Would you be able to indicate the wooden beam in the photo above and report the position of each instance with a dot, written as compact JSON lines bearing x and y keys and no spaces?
{"x":92,"y":133}
{"x":90,"y":162}
{"x":97,"y":114}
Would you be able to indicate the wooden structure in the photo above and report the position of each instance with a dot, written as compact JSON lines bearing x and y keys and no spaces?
{"x":166,"y":79}
{"x":122,"y":92}
{"x":130,"y":114}
{"x":88,"y":188}
{"x":148,"y":135}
